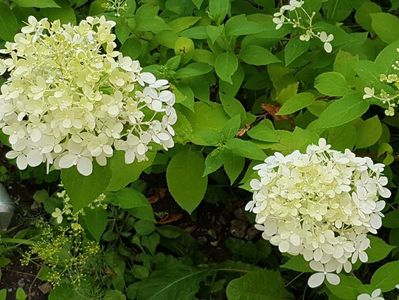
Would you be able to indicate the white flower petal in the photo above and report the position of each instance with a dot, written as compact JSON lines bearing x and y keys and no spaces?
{"x":316,"y":280}
{"x":333,"y":278}
{"x":84,"y":166}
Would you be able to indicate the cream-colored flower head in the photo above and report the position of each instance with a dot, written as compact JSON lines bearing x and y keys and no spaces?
{"x":320,"y":204}
{"x":70,"y":98}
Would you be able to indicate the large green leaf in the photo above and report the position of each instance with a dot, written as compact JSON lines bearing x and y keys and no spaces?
{"x":342,"y":111}
{"x":386,"y":277}
{"x":205,"y":118}
{"x":173,"y":281}
{"x":225,"y":65}
{"x":239,"y":25}
{"x":8,"y":23}
{"x":84,"y":189}
{"x":348,"y":288}
{"x":245,"y":149}
{"x":122,"y":173}
{"x":368,"y":132}
{"x":218,"y":9}
{"x":378,"y":249}
{"x":258,"y":285}
{"x":296,"y":103}
{"x":264,"y":132}
{"x":185,"y":180}
{"x":385,"y":26}
{"x":36,"y":3}
{"x":133,"y":201}
{"x":95,"y":220}
{"x":294,"y":49}
{"x":332,"y":84}
{"x":257,"y":55}
{"x":298,"y":264}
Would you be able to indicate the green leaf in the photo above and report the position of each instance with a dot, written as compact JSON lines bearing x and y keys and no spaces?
{"x":214,"y":32}
{"x":391,"y":219}
{"x":378,"y":249}
{"x":84,"y":189}
{"x":294,"y":48}
{"x":332,"y":84}
{"x":258,"y":285}
{"x":297,"y":263}
{"x":363,"y":14}
{"x":368,"y":132}
{"x":385,"y":59}
{"x":20,"y":295}
{"x":3,"y":294}
{"x":192,"y":70}
{"x":122,"y":173}
{"x":218,"y":9}
{"x":183,"y":23}
{"x":173,"y":281}
{"x":264,"y":132}
{"x":385,"y":26}
{"x":197,"y":3}
{"x":64,"y":14}
{"x":114,"y":295}
{"x":342,"y":111}
{"x":36,"y":3}
{"x":386,"y":277}
{"x":95,"y":220}
{"x":8,"y":23}
{"x":232,"y":106}
{"x":257,"y":55}
{"x":342,"y":137}
{"x":239,"y":25}
{"x":144,"y":227}
{"x":233,"y":165}
{"x":231,"y":128}
{"x":225,"y":65}
{"x":296,"y":103}
{"x":205,"y":118}
{"x":245,"y":149}
{"x":348,"y":289}
{"x":134,"y":201}
{"x":214,"y":161}
{"x":337,"y":10}
{"x":185,"y":180}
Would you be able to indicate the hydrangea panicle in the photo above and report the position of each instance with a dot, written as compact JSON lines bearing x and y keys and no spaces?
{"x":320,"y":204}
{"x":71,"y":98}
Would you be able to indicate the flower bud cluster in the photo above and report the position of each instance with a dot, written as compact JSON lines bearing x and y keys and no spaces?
{"x":70,"y":98}
{"x":389,"y":97}
{"x":320,"y":204}
{"x":289,"y":14}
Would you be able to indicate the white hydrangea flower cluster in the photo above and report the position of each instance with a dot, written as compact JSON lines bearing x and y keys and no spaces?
{"x":71,"y":98}
{"x":281,"y":17}
{"x":389,"y":98}
{"x":320,"y":204}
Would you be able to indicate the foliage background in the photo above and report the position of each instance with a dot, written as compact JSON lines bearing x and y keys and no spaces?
{"x":244,"y":90}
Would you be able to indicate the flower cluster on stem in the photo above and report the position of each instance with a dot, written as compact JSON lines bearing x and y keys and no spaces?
{"x":71,"y":98}
{"x":288,"y":14}
{"x":320,"y":204}
{"x":388,"y":98}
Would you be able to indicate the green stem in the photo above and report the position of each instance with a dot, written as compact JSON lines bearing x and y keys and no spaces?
{"x":16,"y":241}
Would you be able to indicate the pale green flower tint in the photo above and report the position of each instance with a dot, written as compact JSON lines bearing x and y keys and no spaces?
{"x":320,"y":204}
{"x":306,"y":26}
{"x":71,"y":98}
{"x":390,"y":99}
{"x":57,"y":214}
{"x":375,"y":295}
